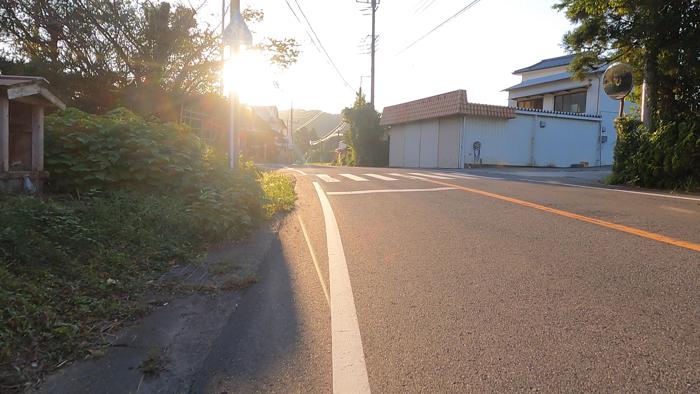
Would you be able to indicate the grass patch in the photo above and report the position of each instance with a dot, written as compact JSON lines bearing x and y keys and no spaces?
{"x":72,"y":268}
{"x":279,"y":192}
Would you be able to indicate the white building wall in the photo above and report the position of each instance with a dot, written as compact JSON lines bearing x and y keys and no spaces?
{"x":543,"y":73}
{"x":563,"y":142}
{"x":531,"y":140}
{"x":502,"y":140}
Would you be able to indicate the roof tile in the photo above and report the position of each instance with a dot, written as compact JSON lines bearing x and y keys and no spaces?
{"x":440,"y":106}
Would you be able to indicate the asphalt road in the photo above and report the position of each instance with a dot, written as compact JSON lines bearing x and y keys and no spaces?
{"x":481,"y":284}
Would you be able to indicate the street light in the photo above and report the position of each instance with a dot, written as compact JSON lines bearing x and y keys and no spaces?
{"x":234,"y":36}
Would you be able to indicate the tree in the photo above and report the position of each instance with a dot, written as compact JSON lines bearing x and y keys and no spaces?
{"x":365,"y":136}
{"x":658,"y":38}
{"x":99,"y":54}
{"x":302,"y":140}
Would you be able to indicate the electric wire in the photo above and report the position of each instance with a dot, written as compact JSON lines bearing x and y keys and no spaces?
{"x":320,"y":44}
{"x":443,"y":23}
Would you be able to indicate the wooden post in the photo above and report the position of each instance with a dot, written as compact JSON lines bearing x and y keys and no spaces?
{"x":37,"y":138}
{"x":4,"y":134}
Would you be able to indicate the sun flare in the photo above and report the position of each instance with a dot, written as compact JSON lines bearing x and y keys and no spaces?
{"x":250,"y":74}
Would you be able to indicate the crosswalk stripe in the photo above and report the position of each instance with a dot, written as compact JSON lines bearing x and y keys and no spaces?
{"x":453,"y":174}
{"x":382,"y":177}
{"x":327,"y":178}
{"x":355,"y":177}
{"x":407,"y":176}
{"x":431,"y":176}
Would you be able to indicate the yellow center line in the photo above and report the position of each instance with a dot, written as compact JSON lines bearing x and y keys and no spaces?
{"x":571,"y":215}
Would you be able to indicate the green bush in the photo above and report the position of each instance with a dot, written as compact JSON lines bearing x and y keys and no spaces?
{"x":131,"y":197}
{"x":666,"y":158}
{"x":121,"y":151}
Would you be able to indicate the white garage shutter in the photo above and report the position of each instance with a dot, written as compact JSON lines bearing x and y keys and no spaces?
{"x":448,"y":146}
{"x":429,"y":144}
{"x":412,"y":145}
{"x":397,"y":139}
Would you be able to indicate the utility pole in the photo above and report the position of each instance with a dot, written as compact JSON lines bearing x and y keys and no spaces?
{"x":374,"y":41}
{"x":235,"y":35}
{"x":291,"y":120}
{"x":223,"y":46}
{"x":374,"y":4}
{"x":235,"y":8}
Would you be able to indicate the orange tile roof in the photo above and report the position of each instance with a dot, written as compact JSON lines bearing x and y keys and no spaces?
{"x":440,"y":106}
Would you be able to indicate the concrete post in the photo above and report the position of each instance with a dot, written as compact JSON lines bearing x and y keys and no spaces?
{"x":4,"y":134}
{"x":37,"y":138}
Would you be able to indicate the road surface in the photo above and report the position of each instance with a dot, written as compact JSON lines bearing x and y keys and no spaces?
{"x":399,"y":280}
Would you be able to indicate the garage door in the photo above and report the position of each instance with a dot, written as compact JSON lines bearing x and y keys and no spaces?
{"x":412,"y":145}
{"x":429,"y":144}
{"x":397,"y":139}
{"x":448,"y":143}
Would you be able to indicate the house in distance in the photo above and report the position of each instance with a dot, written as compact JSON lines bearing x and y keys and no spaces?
{"x":551,"y":120}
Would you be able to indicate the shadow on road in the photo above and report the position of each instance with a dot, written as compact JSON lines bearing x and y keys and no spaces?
{"x":261,"y":333}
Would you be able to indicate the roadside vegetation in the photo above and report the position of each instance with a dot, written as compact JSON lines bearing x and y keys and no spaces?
{"x":128,"y":199}
{"x":365,"y":139}
{"x":660,"y":41}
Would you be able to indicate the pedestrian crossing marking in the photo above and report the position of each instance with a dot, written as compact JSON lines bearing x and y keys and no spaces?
{"x":431,"y":176}
{"x":407,"y":176}
{"x":421,"y":176}
{"x":381,"y":177}
{"x":355,"y":177}
{"x":453,"y":174}
{"x":327,"y":178}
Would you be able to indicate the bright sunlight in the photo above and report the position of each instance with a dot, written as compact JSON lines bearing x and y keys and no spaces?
{"x":251,"y":76}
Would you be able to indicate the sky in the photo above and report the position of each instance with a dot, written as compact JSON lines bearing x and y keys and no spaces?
{"x":477,"y":51}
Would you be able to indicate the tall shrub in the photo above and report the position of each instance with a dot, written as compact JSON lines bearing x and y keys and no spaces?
{"x":668,"y":157}
{"x":121,"y":151}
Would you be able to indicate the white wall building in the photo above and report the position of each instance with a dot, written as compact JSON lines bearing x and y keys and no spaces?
{"x":548,"y":86}
{"x":551,"y":121}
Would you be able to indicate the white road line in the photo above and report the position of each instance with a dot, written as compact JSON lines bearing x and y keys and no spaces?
{"x":555,"y":183}
{"x":349,"y":368}
{"x":315,"y":261}
{"x":295,"y":170}
{"x":407,"y":176}
{"x":327,"y":178}
{"x":431,"y":176}
{"x":472,"y":176}
{"x":355,"y":177}
{"x":615,"y":190}
{"x":452,"y":174}
{"x":382,"y":177}
{"x":435,"y":189}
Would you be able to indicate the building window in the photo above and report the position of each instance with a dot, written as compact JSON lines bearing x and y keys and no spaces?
{"x":573,"y":102}
{"x":530,"y":103}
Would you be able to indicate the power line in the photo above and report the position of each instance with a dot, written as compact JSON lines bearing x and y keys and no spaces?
{"x":425,"y":7}
{"x":320,"y":44}
{"x":293,"y":12}
{"x":309,"y":121}
{"x":460,"y":12}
